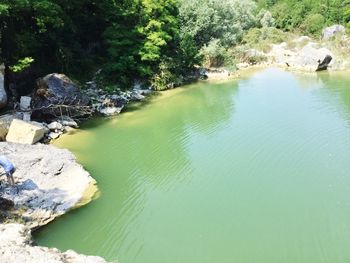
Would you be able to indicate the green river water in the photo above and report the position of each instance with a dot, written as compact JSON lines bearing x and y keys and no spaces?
{"x":255,"y":170}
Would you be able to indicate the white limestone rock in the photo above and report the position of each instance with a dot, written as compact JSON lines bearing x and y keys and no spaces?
{"x":25,"y":102}
{"x":332,"y":31}
{"x":16,"y":247}
{"x":48,"y":180}
{"x":110,"y":111}
{"x":55,"y":126}
{"x":24,"y":132}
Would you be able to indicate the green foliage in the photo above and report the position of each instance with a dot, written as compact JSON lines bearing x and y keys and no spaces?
{"x":165,"y":77}
{"x":307,"y":16}
{"x":262,"y":38}
{"x":144,"y":34}
{"x":128,"y":39}
{"x":155,"y":41}
{"x":205,"y":20}
{"x":214,"y":54}
{"x":313,"y":24}
{"x":265,"y":18}
{"x":189,"y":57}
{"x":22,"y":64}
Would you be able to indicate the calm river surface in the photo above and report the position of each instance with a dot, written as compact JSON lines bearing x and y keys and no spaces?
{"x":255,"y":170}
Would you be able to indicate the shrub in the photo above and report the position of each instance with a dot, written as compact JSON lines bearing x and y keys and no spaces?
{"x":262,"y":38}
{"x":214,"y":54}
{"x":165,"y":78}
{"x":216,"y":19}
{"x":313,"y":24}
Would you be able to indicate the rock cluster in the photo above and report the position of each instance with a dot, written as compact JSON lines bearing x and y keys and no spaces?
{"x":16,"y":247}
{"x":301,"y":53}
{"x":14,"y":129}
{"x":305,"y":54}
{"x":56,"y":101}
{"x":58,"y":127}
{"x":108,"y":104}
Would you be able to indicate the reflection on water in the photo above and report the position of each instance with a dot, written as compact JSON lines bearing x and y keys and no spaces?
{"x":254,"y":170}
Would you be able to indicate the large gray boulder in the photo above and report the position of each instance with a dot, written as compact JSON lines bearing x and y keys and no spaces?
{"x":48,"y":182}
{"x":3,"y":95}
{"x":57,"y":95}
{"x":332,"y":31}
{"x":16,"y":246}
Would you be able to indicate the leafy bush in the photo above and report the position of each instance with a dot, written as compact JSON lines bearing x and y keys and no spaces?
{"x":165,"y":78}
{"x":214,"y":54}
{"x":313,"y":24}
{"x":22,"y":64}
{"x":265,"y":18}
{"x":262,"y":38}
{"x":226,"y":20}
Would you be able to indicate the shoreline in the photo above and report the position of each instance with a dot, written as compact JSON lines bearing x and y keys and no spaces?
{"x":91,"y":191}
{"x":49,"y":184}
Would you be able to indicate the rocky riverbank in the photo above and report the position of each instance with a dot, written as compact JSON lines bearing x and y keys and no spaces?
{"x":295,"y":53}
{"x":49,"y":183}
{"x":16,"y":246}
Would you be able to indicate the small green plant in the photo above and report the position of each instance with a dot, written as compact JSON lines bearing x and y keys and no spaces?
{"x":22,"y":64}
{"x":214,"y":54}
{"x":165,"y":77}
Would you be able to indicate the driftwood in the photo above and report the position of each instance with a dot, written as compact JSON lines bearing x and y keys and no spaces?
{"x":71,"y":108}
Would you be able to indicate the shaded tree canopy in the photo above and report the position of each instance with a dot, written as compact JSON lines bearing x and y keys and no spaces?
{"x":155,"y":41}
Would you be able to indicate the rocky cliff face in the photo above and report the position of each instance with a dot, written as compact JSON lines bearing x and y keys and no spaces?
{"x":16,"y":246}
{"x":49,"y":182}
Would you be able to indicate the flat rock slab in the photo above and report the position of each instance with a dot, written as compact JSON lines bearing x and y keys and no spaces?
{"x":25,"y":132}
{"x":49,"y":182}
{"x":16,"y":246}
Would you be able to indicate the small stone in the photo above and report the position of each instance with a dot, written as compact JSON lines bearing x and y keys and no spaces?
{"x":26,"y":116}
{"x":110,"y":111}
{"x":25,"y":102}
{"x":136,"y":96}
{"x":55,"y":126}
{"x":67,"y":121}
{"x":54,"y":135}
{"x":146,"y":92}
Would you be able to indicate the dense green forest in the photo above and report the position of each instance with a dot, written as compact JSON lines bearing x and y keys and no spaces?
{"x":157,"y":41}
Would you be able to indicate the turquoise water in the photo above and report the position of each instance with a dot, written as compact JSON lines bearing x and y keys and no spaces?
{"x":249,"y":170}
